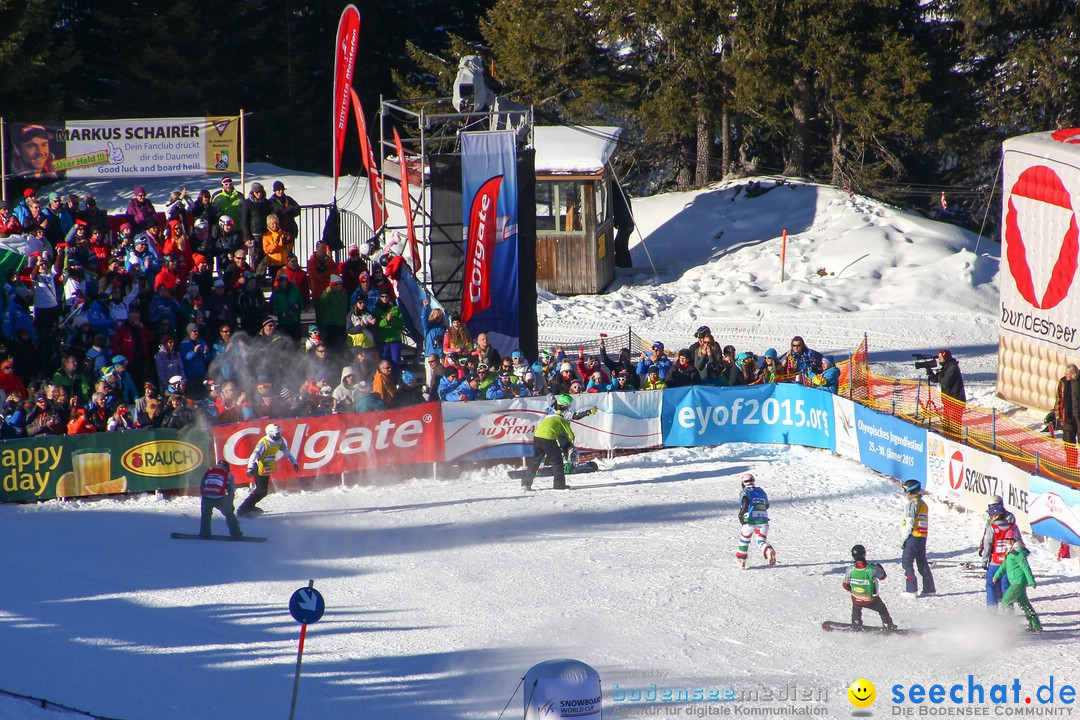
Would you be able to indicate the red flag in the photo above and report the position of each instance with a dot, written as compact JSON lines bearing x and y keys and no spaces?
{"x":480,"y":249}
{"x":375,"y":178}
{"x":348,"y":38}
{"x":406,"y":203}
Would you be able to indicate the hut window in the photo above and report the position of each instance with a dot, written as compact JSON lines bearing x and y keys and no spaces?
{"x":559,"y":206}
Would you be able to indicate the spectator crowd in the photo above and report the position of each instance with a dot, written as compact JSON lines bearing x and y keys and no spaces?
{"x":196,"y":313}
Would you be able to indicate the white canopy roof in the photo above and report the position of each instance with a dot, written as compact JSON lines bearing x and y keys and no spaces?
{"x":578,"y":149}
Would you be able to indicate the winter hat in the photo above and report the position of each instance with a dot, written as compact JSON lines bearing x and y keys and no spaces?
{"x":139,"y":190}
{"x":566,"y":367}
{"x":771,"y":353}
{"x":654,"y":369}
{"x":5,"y":205}
{"x":407,"y":378}
{"x":517,"y":355}
{"x":364,"y":277}
{"x":270,"y":320}
{"x":257,"y":187}
{"x":335,"y":279}
{"x":125,"y":226}
{"x":729,"y":349}
{"x":658,"y":345}
{"x":278,"y":185}
{"x":828,"y":360}
{"x":226,"y":179}
{"x":191,"y":326}
{"x":354,"y":250}
{"x":119,"y":360}
{"x":53,"y":196}
{"x":199,"y":259}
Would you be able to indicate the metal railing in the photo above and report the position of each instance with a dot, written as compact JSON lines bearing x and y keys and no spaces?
{"x":354,"y":231}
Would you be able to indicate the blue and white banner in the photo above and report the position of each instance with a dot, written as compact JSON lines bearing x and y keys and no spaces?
{"x":489,"y":195}
{"x":504,"y":428}
{"x":890,"y":445}
{"x":771,"y":413}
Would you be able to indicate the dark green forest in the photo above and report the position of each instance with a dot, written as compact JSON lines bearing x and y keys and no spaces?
{"x":900,"y":99}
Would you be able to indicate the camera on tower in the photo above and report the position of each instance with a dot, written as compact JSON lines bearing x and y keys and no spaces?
{"x":470,"y":92}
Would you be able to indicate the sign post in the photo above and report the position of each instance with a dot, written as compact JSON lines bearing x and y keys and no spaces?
{"x":306,"y":606}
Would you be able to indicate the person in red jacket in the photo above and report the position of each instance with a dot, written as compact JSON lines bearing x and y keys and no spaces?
{"x":218,"y":489}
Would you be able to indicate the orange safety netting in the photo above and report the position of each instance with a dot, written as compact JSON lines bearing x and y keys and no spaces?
{"x":922,"y":403}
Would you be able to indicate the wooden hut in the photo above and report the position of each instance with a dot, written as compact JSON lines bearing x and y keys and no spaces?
{"x":575,"y":229}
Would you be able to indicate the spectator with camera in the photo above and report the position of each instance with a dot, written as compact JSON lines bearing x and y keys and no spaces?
{"x":658,"y":359}
{"x":706,"y":350}
{"x":800,"y":359}
{"x":949,"y":377}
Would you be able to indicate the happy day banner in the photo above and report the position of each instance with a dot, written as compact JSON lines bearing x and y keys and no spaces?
{"x":73,"y":466}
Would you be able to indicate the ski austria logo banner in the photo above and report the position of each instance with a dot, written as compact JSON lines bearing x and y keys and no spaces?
{"x":771,"y":413}
{"x":490,"y":211}
{"x":159,"y":147}
{"x":970,"y":477}
{"x":348,"y":40}
{"x":1054,"y":510}
{"x":340,"y":443}
{"x":1041,"y":237}
{"x":504,"y":428}
{"x":890,"y":445}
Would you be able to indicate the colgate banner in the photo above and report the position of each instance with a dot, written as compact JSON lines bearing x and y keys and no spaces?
{"x":480,"y":250}
{"x":490,"y":211}
{"x":348,"y":38}
{"x":375,"y":179}
{"x":341,"y":443}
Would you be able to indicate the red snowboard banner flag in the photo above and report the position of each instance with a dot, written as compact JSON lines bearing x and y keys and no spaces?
{"x":406,"y":203}
{"x":480,"y":249}
{"x":348,"y":38}
{"x":375,"y":178}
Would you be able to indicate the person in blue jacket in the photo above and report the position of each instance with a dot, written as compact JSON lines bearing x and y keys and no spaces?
{"x":829,"y":377}
{"x":507,"y":386}
{"x":657,"y":359}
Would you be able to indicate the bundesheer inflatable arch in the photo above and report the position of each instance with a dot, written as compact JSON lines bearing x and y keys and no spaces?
{"x":1039,"y":313}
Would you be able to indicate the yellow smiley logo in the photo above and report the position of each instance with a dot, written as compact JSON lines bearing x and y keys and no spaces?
{"x":862,"y":693}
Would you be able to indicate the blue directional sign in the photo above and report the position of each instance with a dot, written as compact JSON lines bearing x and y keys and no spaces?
{"x":306,"y":605}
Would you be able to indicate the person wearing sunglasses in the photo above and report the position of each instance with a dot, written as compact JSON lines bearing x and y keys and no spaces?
{"x":800,"y":359}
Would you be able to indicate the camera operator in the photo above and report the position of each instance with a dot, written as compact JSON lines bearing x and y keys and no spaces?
{"x":952,"y":390}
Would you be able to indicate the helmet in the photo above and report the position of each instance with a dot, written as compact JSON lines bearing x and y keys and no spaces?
{"x":1011,"y":534}
{"x":563,"y":402}
{"x":747,"y":479}
{"x":858,"y":552}
{"x":994,"y":509}
{"x":176,"y":384}
{"x":225,"y":220}
{"x":407,"y":378}
{"x":912,"y":486}
{"x":273,"y":430}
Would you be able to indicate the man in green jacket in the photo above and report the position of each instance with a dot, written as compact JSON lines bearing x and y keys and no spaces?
{"x":552,"y":434}
{"x":1016,"y":568}
{"x":331,"y":309}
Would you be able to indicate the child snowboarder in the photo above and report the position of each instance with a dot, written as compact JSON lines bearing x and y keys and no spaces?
{"x":217,"y":490}
{"x":916,"y":516}
{"x":861,"y":580}
{"x":754,"y":521}
{"x":1016,"y":568}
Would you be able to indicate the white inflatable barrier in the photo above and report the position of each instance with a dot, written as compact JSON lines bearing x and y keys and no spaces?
{"x":558,"y":689}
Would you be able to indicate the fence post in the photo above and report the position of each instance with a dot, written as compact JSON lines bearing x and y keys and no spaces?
{"x":918,"y":397}
{"x":894,"y":407}
{"x":1036,"y":462}
{"x":993,"y":428}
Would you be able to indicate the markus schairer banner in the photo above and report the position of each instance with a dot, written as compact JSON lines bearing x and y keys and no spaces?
{"x":489,"y":192}
{"x":156,"y":147}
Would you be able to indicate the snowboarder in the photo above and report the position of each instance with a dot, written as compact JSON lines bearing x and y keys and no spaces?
{"x":916,"y":520}
{"x":1018,"y":571}
{"x":262,"y":462}
{"x":553,"y":436}
{"x":994,"y":549}
{"x":754,"y":521}
{"x":861,"y":580}
{"x":217,"y":489}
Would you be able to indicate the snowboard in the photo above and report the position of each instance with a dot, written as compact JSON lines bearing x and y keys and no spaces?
{"x":229,"y":538}
{"x":830,"y":626}
{"x":546,"y":471}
